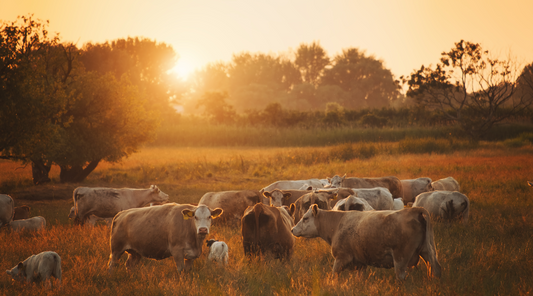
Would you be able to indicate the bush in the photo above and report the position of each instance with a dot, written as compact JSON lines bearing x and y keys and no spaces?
{"x":425,"y":145}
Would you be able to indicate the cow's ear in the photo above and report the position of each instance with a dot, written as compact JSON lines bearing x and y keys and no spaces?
{"x":292,"y":209}
{"x":310,"y":188}
{"x":8,"y":272}
{"x":287,"y":195}
{"x":216,"y":213}
{"x":314,"y":208}
{"x":329,"y":179}
{"x":187,"y":214}
{"x":267,"y":194}
{"x":20,"y":266}
{"x":343,"y":177}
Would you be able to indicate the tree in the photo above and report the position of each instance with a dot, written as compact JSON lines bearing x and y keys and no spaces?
{"x":216,"y":108}
{"x":364,"y":78}
{"x":470,"y":88}
{"x":311,"y":60}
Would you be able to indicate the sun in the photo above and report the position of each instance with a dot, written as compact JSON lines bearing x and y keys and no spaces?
{"x":183,"y":69}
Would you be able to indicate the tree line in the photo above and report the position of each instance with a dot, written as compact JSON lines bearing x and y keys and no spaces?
{"x":77,"y":106}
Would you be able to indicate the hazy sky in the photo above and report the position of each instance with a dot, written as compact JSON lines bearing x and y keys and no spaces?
{"x":405,"y":34}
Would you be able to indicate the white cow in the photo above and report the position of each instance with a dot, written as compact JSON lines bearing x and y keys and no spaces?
{"x":379,"y":198}
{"x":292,"y":184}
{"x":413,"y":187}
{"x":397,"y":204}
{"x":352,"y":203}
{"x":34,"y":224}
{"x":38,"y":268}
{"x":447,"y":184}
{"x":107,"y":202}
{"x":7,"y":209}
{"x":218,"y":251}
{"x":446,"y":205}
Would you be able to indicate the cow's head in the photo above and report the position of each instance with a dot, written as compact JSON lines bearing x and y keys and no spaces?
{"x":336,"y":181}
{"x":157,"y":194}
{"x":425,"y":185}
{"x":306,"y":227}
{"x":276,"y":197}
{"x":202,"y":217}
{"x":18,"y":272}
{"x":210,"y":242}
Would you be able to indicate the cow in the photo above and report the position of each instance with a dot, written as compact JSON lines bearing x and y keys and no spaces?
{"x":292,"y":184}
{"x":413,"y":187}
{"x":322,"y":199}
{"x":379,"y":198}
{"x":446,"y":184}
{"x":392,"y":183}
{"x":397,"y":204}
{"x":33,"y":224}
{"x":352,"y":203}
{"x":280,"y":198}
{"x":22,"y":212}
{"x":383,"y":239}
{"x":7,"y":209}
{"x":107,"y":202}
{"x":234,"y":203}
{"x":267,"y":230}
{"x":161,"y":232}
{"x":446,"y":205}
{"x":38,"y":268}
{"x":218,"y":251}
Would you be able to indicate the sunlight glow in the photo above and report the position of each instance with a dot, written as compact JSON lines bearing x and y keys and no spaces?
{"x":183,"y":69}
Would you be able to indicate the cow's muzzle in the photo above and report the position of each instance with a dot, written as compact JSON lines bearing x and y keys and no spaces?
{"x":203,"y":230}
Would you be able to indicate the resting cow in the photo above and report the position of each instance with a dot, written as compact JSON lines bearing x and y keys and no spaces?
{"x":107,"y":202}
{"x":392,"y":183}
{"x":446,"y":184}
{"x":7,"y":207}
{"x":234,"y":203}
{"x":446,"y":205}
{"x":33,"y":224}
{"x":38,"y":268}
{"x":161,"y":232}
{"x":267,"y":230}
{"x":352,"y":203}
{"x":321,"y":198}
{"x":413,"y":187}
{"x":22,"y":212}
{"x":384,"y":239}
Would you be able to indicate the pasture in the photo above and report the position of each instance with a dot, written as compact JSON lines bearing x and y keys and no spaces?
{"x":492,"y":255}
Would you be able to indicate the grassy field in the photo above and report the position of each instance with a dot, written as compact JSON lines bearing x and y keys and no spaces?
{"x":492,"y":255}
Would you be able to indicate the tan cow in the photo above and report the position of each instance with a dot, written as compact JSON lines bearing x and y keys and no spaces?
{"x":379,"y":197}
{"x":234,"y":203}
{"x":353,"y":203}
{"x":7,"y":208}
{"x":392,"y":183}
{"x":280,"y":198}
{"x":446,"y":205}
{"x":38,"y":268}
{"x":321,"y":198}
{"x":267,"y":230}
{"x":22,"y":212}
{"x":33,"y":224}
{"x":413,"y":187}
{"x":107,"y":202}
{"x":384,"y":239}
{"x":292,"y":185}
{"x":160,"y":232}
{"x":447,"y":184}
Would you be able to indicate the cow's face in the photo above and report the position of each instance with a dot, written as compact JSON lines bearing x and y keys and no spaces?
{"x":306,"y":227}
{"x":336,"y":181}
{"x":276,"y":197}
{"x":157,"y":194}
{"x":427,"y":185}
{"x":72,"y":213}
{"x":202,"y":217}
{"x":17,"y":273}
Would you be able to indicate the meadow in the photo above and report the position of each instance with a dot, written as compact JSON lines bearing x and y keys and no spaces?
{"x":492,"y":255}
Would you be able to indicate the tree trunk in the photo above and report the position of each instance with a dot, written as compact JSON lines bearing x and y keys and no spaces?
{"x":75,"y":174}
{"x":40,"y":172}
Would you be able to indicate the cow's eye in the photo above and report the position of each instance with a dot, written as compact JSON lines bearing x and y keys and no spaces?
{"x":305,"y":219}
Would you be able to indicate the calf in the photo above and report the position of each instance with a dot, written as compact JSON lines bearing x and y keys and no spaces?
{"x":218,"y":251}
{"x":384,"y":239}
{"x":33,"y":224}
{"x":38,"y":268}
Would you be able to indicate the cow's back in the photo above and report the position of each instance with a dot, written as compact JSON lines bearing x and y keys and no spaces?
{"x":7,"y":207}
{"x":393,"y":184}
{"x":233,"y":203}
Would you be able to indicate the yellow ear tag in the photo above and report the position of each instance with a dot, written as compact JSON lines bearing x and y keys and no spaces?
{"x":188,"y":215}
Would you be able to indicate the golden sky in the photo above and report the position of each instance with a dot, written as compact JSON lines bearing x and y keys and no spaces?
{"x":405,"y":34}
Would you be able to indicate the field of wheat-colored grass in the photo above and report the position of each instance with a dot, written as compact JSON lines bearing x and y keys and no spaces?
{"x":492,"y":255}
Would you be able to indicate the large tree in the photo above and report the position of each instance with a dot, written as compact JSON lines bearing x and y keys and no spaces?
{"x":311,"y":60}
{"x":470,"y":88}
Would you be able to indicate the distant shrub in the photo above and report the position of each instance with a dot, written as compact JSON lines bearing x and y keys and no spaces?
{"x":372,"y":120}
{"x":526,"y":137}
{"x":425,"y":145}
{"x":365,"y":150}
{"x":347,"y":151}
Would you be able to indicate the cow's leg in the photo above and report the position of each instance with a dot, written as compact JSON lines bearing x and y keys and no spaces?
{"x":429,"y":256}
{"x":341,"y":261}
{"x":113,"y":258}
{"x":401,"y":258}
{"x":188,"y":264}
{"x":133,"y":259}
{"x":178,"y":259}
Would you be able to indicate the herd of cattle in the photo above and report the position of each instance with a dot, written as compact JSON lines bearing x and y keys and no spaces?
{"x":382,"y":222}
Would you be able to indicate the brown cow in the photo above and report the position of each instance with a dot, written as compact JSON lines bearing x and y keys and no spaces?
{"x":160,"y":232}
{"x":320,"y":198}
{"x":22,"y":212}
{"x":234,"y":203}
{"x":384,"y":239}
{"x":267,"y":230}
{"x":392,"y":183}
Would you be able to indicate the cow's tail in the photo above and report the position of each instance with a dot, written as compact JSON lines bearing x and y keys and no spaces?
{"x":428,"y":243}
{"x":257,"y":212}
{"x":466,"y":209}
{"x":57,"y":267}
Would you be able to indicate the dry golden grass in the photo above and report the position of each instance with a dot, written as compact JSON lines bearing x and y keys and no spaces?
{"x":492,"y":255}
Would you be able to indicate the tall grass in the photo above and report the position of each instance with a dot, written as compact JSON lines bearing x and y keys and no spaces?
{"x":492,"y":255}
